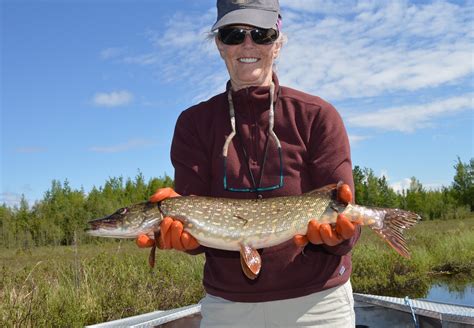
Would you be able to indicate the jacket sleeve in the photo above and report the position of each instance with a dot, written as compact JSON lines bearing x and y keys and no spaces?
{"x":190,"y":161}
{"x":330,"y":161}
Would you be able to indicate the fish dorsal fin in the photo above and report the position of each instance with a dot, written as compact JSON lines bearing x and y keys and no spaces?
{"x":323,"y":190}
{"x":250,"y":261}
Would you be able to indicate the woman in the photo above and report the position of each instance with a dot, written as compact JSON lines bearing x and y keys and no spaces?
{"x":258,"y":140}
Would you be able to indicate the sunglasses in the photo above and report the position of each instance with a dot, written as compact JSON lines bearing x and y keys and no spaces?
{"x":236,"y":35}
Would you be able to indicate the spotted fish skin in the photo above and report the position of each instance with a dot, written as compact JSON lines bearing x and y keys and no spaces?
{"x":229,"y":223}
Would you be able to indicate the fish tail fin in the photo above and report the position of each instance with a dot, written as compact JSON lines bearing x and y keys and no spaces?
{"x":393,"y":226}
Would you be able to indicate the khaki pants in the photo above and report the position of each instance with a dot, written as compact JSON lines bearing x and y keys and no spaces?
{"x":330,"y":308}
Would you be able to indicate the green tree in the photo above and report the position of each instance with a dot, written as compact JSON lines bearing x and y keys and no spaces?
{"x":415,"y":197}
{"x":64,"y":209}
{"x":63,"y":212}
{"x":155,"y":183}
{"x":387,"y":196}
{"x":371,"y":190}
{"x":22,"y":221}
{"x":359,"y":178}
{"x":136,"y":190}
{"x":6,"y":226}
{"x":463,"y":185}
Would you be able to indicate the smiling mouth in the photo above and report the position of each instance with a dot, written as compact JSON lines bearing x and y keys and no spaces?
{"x":248,"y":60}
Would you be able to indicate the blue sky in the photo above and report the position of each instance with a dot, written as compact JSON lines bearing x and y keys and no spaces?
{"x":92,"y":89}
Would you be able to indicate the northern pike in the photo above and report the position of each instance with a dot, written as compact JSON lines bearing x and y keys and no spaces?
{"x":246,"y":225}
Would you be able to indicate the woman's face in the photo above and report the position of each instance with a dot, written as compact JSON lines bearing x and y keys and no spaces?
{"x":248,"y":63}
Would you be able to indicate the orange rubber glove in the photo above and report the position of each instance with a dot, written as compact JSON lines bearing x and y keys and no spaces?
{"x":171,"y":231}
{"x":324,"y":233}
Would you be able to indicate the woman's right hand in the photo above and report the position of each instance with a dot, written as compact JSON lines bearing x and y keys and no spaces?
{"x":326,"y":234}
{"x":172,"y":234}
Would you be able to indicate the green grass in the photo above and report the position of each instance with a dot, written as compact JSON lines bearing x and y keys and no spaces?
{"x":69,"y":287}
{"x":438,"y":248}
{"x":55,"y":287}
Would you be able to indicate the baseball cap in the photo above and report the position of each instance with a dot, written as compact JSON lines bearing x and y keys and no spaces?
{"x":259,"y":13}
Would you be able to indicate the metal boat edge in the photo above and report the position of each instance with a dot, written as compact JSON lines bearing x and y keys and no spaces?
{"x":369,"y":309}
{"x":152,"y":319}
{"x":438,"y":314}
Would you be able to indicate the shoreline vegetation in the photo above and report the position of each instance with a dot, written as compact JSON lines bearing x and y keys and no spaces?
{"x":61,"y":216}
{"x":54,"y":275}
{"x":58,"y":286}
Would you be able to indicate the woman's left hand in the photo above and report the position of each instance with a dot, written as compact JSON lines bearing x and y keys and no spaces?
{"x":324,"y":233}
{"x":171,"y":234}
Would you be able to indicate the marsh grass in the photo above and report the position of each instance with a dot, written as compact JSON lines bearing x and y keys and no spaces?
{"x":47,"y":287}
{"x":438,"y":249}
{"x":76,"y":286}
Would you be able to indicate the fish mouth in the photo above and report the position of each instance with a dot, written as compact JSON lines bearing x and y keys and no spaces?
{"x":106,"y":222}
{"x":109,"y":227}
{"x":112,"y":233}
{"x":114,"y":226}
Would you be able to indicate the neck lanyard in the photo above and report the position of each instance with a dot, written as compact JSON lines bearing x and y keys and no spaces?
{"x":270,"y":133}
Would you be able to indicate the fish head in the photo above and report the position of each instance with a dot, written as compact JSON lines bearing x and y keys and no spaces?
{"x":128,"y":222}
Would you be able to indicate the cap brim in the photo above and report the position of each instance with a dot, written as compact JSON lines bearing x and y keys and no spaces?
{"x":253,"y":17}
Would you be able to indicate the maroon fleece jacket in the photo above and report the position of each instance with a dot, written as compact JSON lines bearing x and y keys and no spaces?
{"x":315,"y":152}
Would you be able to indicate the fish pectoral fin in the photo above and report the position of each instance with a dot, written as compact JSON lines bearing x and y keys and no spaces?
{"x":250,"y":261}
{"x":152,"y":256}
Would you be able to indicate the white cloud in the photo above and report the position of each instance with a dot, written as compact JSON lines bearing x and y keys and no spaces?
{"x":336,"y":49}
{"x":397,"y":186}
{"x":395,"y":46}
{"x":110,"y":53}
{"x":122,"y":147}
{"x":10,"y":199}
{"x":112,"y":99}
{"x":183,"y":53}
{"x":404,"y":184}
{"x":401,"y":185}
{"x":338,"y":7}
{"x":353,"y":138}
{"x":384,"y":173}
{"x":412,"y":117}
